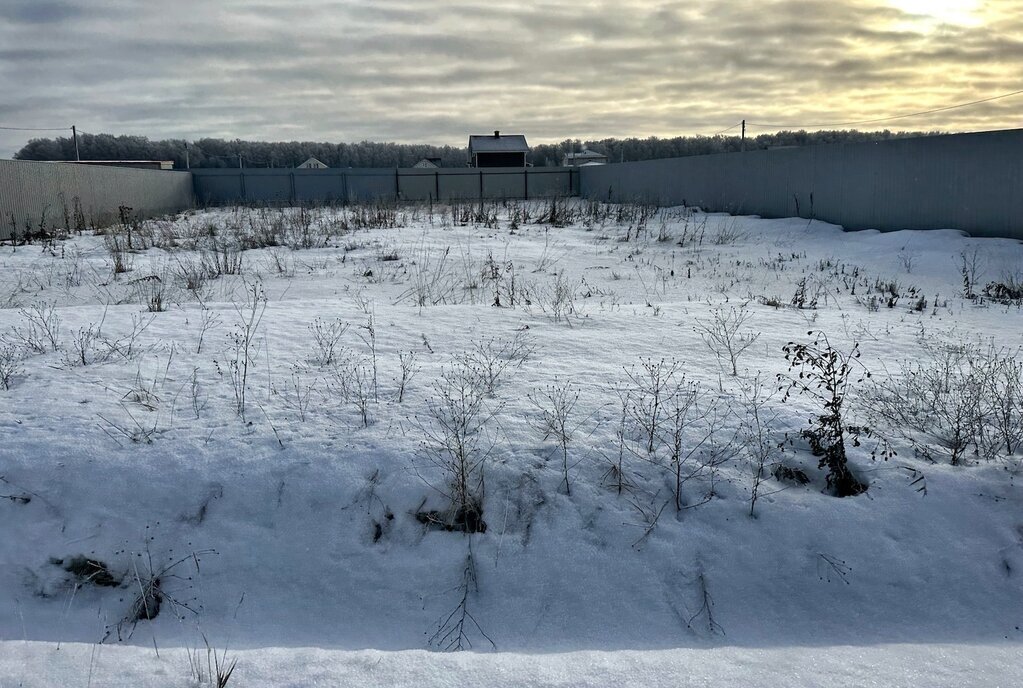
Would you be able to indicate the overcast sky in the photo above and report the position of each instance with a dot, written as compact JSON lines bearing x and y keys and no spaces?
{"x":434,"y":71}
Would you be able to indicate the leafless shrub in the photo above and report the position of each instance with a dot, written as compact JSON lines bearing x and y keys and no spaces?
{"x":457,"y":442}
{"x":280,"y":262}
{"x":327,"y":337}
{"x":555,"y":298}
{"x":221,"y":257}
{"x":10,"y":364}
{"x":244,"y":346}
{"x":454,"y":631}
{"x":118,"y":250}
{"x":556,"y":403}
{"x":615,"y":475}
{"x":297,"y":392}
{"x":152,"y":582}
{"x":652,"y":383}
{"x":689,"y":436}
{"x":208,"y":320}
{"x":971,"y":267}
{"x":352,"y":379}
{"x":40,"y":330}
{"x":192,"y":273}
{"x":197,"y":394}
{"x":144,"y":391}
{"x":491,"y":357}
{"x":408,"y":369}
{"x":722,"y":334}
{"x":431,"y":281}
{"x":758,"y":448}
{"x":151,"y":292}
{"x":954,"y":401}
{"x":370,"y":340}
{"x":728,"y":233}
{"x":84,"y":343}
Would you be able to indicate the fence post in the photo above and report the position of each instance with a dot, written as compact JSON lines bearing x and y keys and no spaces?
{"x":436,"y":185}
{"x":294,"y":195}
{"x":525,"y":183}
{"x":397,"y":185}
{"x":241,"y":182}
{"x":481,"y":184}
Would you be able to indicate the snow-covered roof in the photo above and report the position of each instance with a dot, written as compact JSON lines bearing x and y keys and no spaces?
{"x":584,"y":154}
{"x":313,"y":162}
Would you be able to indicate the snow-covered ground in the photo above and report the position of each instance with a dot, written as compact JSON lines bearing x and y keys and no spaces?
{"x":287,"y":526}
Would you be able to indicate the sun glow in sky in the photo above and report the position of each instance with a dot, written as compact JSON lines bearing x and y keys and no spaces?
{"x":432,"y":71}
{"x":958,"y":12}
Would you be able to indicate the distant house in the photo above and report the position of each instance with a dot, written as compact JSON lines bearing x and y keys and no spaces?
{"x":312,"y":164}
{"x":583,"y":158}
{"x":138,"y":164}
{"x":428,"y":163}
{"x":508,"y":150}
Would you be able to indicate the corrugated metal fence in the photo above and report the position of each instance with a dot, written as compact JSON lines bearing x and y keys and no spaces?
{"x":972,"y":182}
{"x":50,"y":194}
{"x":220,"y":186}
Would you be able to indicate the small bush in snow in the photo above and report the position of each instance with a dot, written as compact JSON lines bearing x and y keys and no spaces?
{"x":723,"y":334}
{"x":40,"y":329}
{"x":327,"y":337}
{"x":556,"y":403}
{"x":823,"y":376}
{"x":457,"y":442}
{"x":955,"y":401}
{"x":10,"y":364}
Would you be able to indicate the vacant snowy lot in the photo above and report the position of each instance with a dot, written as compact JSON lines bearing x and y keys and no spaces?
{"x":596,"y":445}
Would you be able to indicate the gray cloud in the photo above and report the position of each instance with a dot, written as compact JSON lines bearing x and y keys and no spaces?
{"x":434,"y":70}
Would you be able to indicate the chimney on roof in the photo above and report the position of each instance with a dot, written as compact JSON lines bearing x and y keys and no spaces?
{"x":497,"y":134}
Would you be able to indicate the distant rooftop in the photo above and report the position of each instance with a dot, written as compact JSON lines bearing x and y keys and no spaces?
{"x":585,"y":154}
{"x":498,"y":143}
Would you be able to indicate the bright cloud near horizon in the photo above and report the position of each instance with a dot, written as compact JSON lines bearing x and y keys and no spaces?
{"x":433,"y":71}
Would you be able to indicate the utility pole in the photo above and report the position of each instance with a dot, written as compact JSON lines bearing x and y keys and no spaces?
{"x":743,"y":143}
{"x":74,"y":133}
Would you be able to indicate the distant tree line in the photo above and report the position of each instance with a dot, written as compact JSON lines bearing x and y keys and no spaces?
{"x":210,"y":152}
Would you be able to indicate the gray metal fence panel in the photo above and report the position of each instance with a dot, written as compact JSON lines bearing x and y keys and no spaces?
{"x":308,"y":187}
{"x":460,"y":185}
{"x":275,"y":188}
{"x":972,"y":182}
{"x":505,"y":185}
{"x":372,"y":185}
{"x":220,"y":186}
{"x":49,"y":193}
{"x":419,"y":185}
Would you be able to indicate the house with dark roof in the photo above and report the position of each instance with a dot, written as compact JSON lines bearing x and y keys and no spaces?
{"x":499,"y":150}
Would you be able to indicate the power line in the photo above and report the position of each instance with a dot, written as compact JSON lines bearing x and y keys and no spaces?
{"x":35,"y":129}
{"x":726,"y":130}
{"x":885,"y":119}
